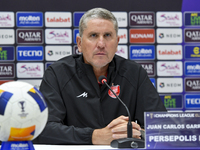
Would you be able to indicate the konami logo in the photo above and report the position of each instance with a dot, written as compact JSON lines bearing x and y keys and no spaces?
{"x":142,"y":35}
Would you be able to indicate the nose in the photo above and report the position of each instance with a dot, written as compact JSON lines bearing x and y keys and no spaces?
{"x":101,"y":42}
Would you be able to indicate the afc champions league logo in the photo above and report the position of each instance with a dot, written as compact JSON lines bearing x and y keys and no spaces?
{"x":22,"y":105}
{"x":116,"y":89}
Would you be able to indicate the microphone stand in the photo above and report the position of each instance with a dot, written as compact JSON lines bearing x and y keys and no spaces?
{"x":128,"y":142}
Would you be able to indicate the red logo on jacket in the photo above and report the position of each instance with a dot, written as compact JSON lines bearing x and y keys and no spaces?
{"x":116,"y":89}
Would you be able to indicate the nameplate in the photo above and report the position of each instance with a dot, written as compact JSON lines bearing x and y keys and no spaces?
{"x":172,"y":130}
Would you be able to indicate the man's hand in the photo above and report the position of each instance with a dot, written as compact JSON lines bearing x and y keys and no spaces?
{"x":116,"y":129}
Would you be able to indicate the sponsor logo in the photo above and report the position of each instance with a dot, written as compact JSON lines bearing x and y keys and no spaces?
{"x":76,"y":33}
{"x":29,"y":19}
{"x":169,"y":35}
{"x":53,"y":53}
{"x":142,"y":19}
{"x":35,"y":83}
{"x":153,"y":81}
{"x":7,"y":19}
{"x":192,"y":101}
{"x":142,"y":52}
{"x":7,"y":70}
{"x":149,"y":67}
{"x":170,"y":85}
{"x":76,"y":51}
{"x":7,"y":53}
{"x":30,"y":70}
{"x":122,"y":33}
{"x":169,"y":19}
{"x":58,"y":19}
{"x":122,"y":51}
{"x":169,"y":68}
{"x":192,"y":18}
{"x":30,"y":53}
{"x":121,"y":18}
{"x":169,"y":52}
{"x":77,"y":17}
{"x":172,"y":101}
{"x":116,"y":89}
{"x":7,"y":36}
{"x":192,"y":84}
{"x":21,"y":145}
{"x":29,"y":36}
{"x":142,"y":36}
{"x":192,"y":52}
{"x":58,"y":36}
{"x":192,"y":68}
{"x":192,"y":35}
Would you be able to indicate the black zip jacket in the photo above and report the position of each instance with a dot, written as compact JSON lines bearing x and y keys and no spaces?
{"x":77,"y":105}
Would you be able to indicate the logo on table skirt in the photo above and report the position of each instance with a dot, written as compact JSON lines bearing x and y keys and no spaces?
{"x":116,"y":89}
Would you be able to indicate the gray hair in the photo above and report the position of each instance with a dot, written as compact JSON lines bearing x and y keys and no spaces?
{"x":97,"y":13}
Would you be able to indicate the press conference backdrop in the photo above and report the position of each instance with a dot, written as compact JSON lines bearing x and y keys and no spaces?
{"x":162,"y":35}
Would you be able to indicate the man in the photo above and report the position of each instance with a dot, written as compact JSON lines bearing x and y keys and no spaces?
{"x":81,"y":111}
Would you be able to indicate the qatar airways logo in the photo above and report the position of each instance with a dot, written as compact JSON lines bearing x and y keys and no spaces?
{"x":58,"y":36}
{"x":192,"y":84}
{"x":142,"y":19}
{"x":7,"y":19}
{"x":29,"y":70}
{"x":169,"y":19}
{"x":169,"y":68}
{"x":58,"y":19}
{"x":192,"y":35}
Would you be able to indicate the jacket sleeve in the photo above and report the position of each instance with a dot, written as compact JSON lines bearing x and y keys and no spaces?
{"x":55,"y":131}
{"x":148,"y":98}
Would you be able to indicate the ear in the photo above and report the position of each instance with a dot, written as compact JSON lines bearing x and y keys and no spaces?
{"x":78,"y":41}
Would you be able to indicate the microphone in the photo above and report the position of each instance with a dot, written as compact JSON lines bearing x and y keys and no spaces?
{"x":128,"y":142}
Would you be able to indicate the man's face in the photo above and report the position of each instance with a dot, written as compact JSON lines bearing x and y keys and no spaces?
{"x":99,"y":42}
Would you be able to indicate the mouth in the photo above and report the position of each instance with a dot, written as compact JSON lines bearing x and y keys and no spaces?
{"x":100,"y":53}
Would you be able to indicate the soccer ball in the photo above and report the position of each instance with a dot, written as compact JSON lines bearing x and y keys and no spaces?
{"x":23,"y":111}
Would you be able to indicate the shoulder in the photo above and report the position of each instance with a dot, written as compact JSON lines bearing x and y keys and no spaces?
{"x":129,"y":69}
{"x":63,"y":69}
{"x":122,"y":63}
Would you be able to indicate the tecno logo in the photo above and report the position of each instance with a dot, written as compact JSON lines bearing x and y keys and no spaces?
{"x":192,"y":101}
{"x":142,"y":35}
{"x":30,"y":53}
